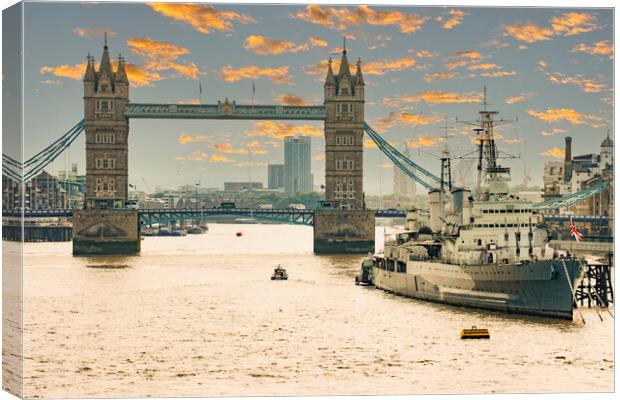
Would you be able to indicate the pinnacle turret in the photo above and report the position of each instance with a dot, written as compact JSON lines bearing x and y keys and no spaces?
{"x":359,"y":79}
{"x":330,"y":80}
{"x":105,"y":67}
{"x":89,"y":75}
{"x":121,"y":73}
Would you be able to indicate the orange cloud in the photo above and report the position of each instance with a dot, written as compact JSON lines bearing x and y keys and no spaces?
{"x":216,"y":158}
{"x":587,"y":85}
{"x":263,"y":45}
{"x":485,"y":67}
{"x":203,"y":18}
{"x":600,"y":48}
{"x":498,"y":74}
{"x":457,"y":18}
{"x":319,"y":157}
{"x":369,"y":144}
{"x":280,"y":130}
{"x":554,"y":152}
{"x":473,"y":55}
{"x":438,"y":75}
{"x":435,"y":97}
{"x":380,"y":67}
{"x":291,"y":100}
{"x":450,"y":65}
{"x":375,"y":67}
{"x":407,"y":119}
{"x":574,"y":23}
{"x":568,"y":24}
{"x":66,"y":71}
{"x":138,"y":76}
{"x":343,"y":17}
{"x":518,"y":99}
{"x":275,"y":74}
{"x":542,"y":65}
{"x":185,"y":138}
{"x":529,"y":32}
{"x":97,"y":32}
{"x":422,"y":141}
{"x":162,"y":56}
{"x":567,"y":114}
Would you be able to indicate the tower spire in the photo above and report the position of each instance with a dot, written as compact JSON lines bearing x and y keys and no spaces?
{"x":344,"y":44}
{"x":105,"y":39}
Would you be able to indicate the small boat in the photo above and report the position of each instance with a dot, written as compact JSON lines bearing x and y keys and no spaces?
{"x":195,"y":230}
{"x":475,"y":333}
{"x":279,"y":274}
{"x":239,"y":234}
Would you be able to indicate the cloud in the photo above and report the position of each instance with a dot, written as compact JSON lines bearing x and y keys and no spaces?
{"x":65,"y":71}
{"x":216,"y":158}
{"x":185,"y":138}
{"x":519,"y":99}
{"x":471,"y":54}
{"x":485,"y":67}
{"x":498,"y":74}
{"x":263,"y":45}
{"x":375,"y":67}
{"x":496,"y":43}
{"x":435,"y":97}
{"x":52,"y":82}
{"x":253,"y":147}
{"x":426,"y":54}
{"x":407,"y":119}
{"x":567,"y":114}
{"x":553,"y":132}
{"x":554,"y":152}
{"x":542,"y":65}
{"x":162,"y":56}
{"x":280,"y":130}
{"x":528,"y":32}
{"x":246,"y":164}
{"x":278,"y":75}
{"x":438,"y":75}
{"x":513,"y":141}
{"x":319,"y":157}
{"x":600,"y":48}
{"x":456,"y":19}
{"x":574,"y":23}
{"x":587,"y":85}
{"x":96,"y":32}
{"x":203,"y":18}
{"x":567,"y":24}
{"x":369,"y":144}
{"x":197,"y":155}
{"x":344,"y":17}
{"x":422,"y":141}
{"x":188,"y":101}
{"x":291,"y":100}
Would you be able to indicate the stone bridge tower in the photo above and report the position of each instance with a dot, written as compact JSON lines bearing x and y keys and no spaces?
{"x":344,"y":135}
{"x":105,"y":95}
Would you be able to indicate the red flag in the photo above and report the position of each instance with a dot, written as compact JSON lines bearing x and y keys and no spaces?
{"x":574,"y":232}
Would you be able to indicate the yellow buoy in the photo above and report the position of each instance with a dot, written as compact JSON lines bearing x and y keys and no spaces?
{"x":475,"y":333}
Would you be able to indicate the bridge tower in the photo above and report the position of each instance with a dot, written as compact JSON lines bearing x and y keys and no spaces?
{"x":105,"y":95}
{"x":105,"y":226}
{"x":344,"y":135}
{"x":343,"y":225}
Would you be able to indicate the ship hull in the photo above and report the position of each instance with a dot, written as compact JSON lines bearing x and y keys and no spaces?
{"x":542,"y":288}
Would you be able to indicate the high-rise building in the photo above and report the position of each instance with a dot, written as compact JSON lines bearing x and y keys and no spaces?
{"x":297,"y":165}
{"x":275,"y":176}
{"x":404,"y":185}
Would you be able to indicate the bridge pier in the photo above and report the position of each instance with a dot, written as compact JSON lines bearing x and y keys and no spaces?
{"x":344,"y":231}
{"x":106,"y":232}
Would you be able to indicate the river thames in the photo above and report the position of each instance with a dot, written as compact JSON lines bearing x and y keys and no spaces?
{"x":199,"y":316}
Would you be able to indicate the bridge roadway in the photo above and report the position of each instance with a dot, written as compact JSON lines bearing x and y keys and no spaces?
{"x":153,"y":216}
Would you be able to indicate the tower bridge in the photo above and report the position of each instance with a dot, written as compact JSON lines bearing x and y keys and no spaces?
{"x":100,"y":228}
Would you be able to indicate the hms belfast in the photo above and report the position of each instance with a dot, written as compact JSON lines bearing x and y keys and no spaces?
{"x":485,"y":250}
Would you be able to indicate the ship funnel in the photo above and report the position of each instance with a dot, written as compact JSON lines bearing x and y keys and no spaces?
{"x":436,"y":212}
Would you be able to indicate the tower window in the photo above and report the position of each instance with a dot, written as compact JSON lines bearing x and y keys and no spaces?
{"x":345,"y":107}
{"x":344,"y":91}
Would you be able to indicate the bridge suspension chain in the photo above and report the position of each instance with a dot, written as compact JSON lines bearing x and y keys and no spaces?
{"x":402,"y":161}
{"x":572,"y":198}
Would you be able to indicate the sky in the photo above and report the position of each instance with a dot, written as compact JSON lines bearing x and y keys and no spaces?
{"x":550,"y":69}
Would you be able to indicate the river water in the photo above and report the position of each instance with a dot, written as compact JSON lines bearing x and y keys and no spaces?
{"x":199,"y":316}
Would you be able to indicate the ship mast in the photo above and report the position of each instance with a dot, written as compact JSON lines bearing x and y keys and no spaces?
{"x":487,"y":154}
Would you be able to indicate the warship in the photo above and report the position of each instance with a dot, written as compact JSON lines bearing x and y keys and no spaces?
{"x":488,"y":249}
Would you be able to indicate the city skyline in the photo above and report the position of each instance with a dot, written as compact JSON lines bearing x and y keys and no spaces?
{"x":551,"y":68}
